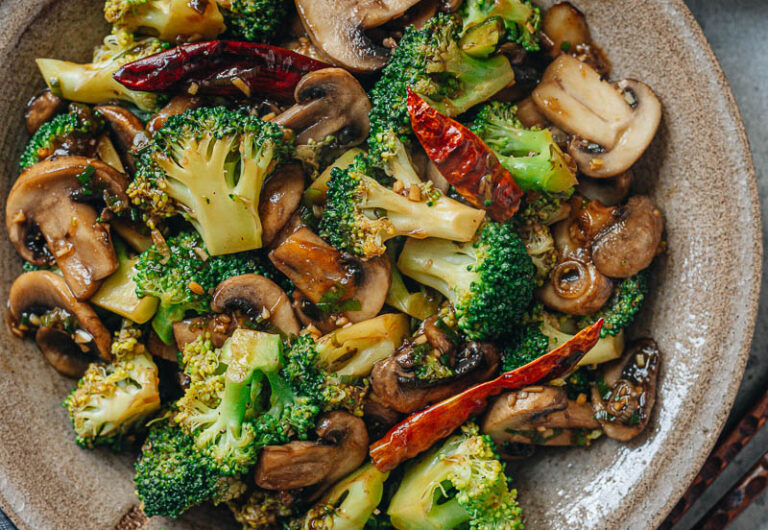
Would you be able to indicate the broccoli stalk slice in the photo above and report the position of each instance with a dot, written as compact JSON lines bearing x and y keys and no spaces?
{"x":461,"y":481}
{"x":536,"y":162}
{"x":168,"y":313}
{"x":169,"y":20}
{"x":419,"y":305}
{"x":521,"y":19}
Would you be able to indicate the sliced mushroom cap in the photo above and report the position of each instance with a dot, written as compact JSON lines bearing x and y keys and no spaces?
{"x":156,"y":347}
{"x":310,"y":315}
{"x":624,"y":412}
{"x":40,"y":291}
{"x":629,"y":245}
{"x":566,"y":27}
{"x":329,"y":102}
{"x":280,"y":198}
{"x":177,"y":105}
{"x":41,"y":204}
{"x":608,"y":191}
{"x":342,"y":447}
{"x":256,"y":296}
{"x":337,"y":28}
{"x":42,"y":108}
{"x":396,"y":386}
{"x":219,"y":328}
{"x":127,"y":130}
{"x":321,"y":272}
{"x":613,"y":125}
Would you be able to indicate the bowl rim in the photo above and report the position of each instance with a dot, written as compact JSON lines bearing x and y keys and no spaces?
{"x":684,"y":17}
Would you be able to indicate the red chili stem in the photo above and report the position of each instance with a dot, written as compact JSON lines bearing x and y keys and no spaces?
{"x":419,"y":432}
{"x":214,"y":67}
{"x":464,"y":160}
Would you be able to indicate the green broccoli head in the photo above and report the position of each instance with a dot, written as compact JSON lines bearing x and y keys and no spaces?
{"x":253,"y":20}
{"x":461,"y":482}
{"x":168,"y":20}
{"x":349,"y":503}
{"x":543,"y":331}
{"x":361,"y":215}
{"x":540,"y":246}
{"x":531,"y":155}
{"x":111,"y":401}
{"x":488,"y":281}
{"x":172,"y":475}
{"x":621,"y":308}
{"x":93,"y":82}
{"x":430,"y":61}
{"x":78,"y":128}
{"x":182,"y":275}
{"x":209,"y":164}
{"x":519,"y":18}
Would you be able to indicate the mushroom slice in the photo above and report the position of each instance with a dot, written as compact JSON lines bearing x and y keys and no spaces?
{"x":566,"y":27}
{"x":329,"y":102}
{"x":341,"y":448}
{"x":127,"y":129}
{"x":629,"y":245}
{"x":337,"y":28}
{"x":280,"y":198}
{"x":41,"y":291}
{"x":328,"y":277}
{"x":608,"y":191}
{"x":513,"y":412}
{"x":624,"y":411}
{"x":613,"y":125}
{"x":395,"y":385}
{"x":575,"y":288}
{"x":257,"y":297}
{"x":42,"y":108}
{"x":177,"y":105}
{"x":219,"y":328}
{"x":41,"y":201}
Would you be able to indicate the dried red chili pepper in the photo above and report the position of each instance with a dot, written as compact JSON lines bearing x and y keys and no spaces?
{"x":224,"y":68}
{"x":464,"y":160}
{"x":419,"y":432}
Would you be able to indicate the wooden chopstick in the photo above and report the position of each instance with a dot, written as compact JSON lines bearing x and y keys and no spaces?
{"x":728,"y":447}
{"x":738,"y":498}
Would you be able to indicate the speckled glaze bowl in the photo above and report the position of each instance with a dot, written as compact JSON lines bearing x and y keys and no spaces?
{"x":701,"y":311}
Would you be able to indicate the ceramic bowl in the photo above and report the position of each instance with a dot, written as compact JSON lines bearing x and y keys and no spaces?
{"x":701,"y":311}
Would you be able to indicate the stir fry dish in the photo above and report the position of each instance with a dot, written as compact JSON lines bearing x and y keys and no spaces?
{"x":339,"y":264}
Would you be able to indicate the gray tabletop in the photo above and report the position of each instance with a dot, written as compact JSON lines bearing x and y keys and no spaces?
{"x":737,"y":31}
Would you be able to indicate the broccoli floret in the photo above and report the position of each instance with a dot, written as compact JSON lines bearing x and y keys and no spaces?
{"x":540,"y":246}
{"x":261,"y":510}
{"x":620,"y":309}
{"x":361,"y":215}
{"x":349,"y":503}
{"x":429,"y":365}
{"x":215,"y":410}
{"x":182,"y":275}
{"x":460,"y":482}
{"x":488,"y":281}
{"x":531,"y":155}
{"x":543,"y":207}
{"x":93,"y":82}
{"x":172,"y":475}
{"x":111,"y":401}
{"x":430,"y":61}
{"x":520,"y":19}
{"x":76,"y":127}
{"x":209,"y":164}
{"x":253,"y":20}
{"x":169,"y":20}
{"x":353,"y":350}
{"x":544,"y":331}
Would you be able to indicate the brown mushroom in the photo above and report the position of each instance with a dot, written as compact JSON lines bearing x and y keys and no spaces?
{"x":540,"y":415}
{"x":280,"y":198}
{"x":127,"y":130}
{"x":612,"y":125}
{"x":42,"y":108}
{"x":177,"y":105}
{"x":325,"y":275}
{"x":257,"y":297}
{"x":310,"y":315}
{"x":341,"y":448}
{"x":624,"y":412}
{"x":395,"y":384}
{"x":630,"y":244}
{"x":37,"y":293}
{"x":608,"y":191}
{"x":219,"y":328}
{"x":378,"y":417}
{"x":46,"y":223}
{"x":156,"y":347}
{"x":566,"y":27}
{"x":337,"y":28}
{"x":329,"y":102}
